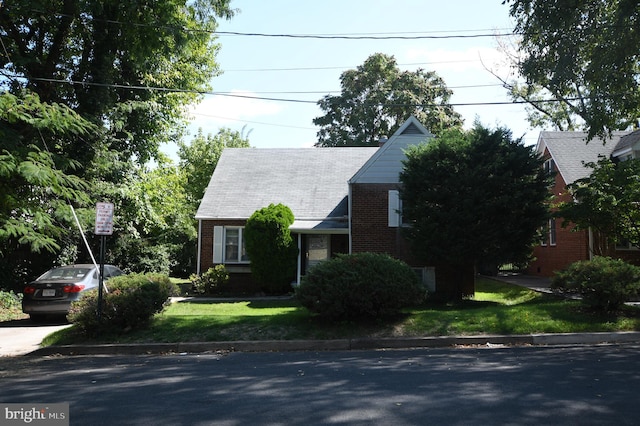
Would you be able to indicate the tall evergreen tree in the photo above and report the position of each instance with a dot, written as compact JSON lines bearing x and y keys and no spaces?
{"x":473,"y":198}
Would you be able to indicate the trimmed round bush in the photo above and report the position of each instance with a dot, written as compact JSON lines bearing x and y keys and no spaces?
{"x":604,"y":283}
{"x":131,"y":302}
{"x":360,"y":286}
{"x":212,"y":281}
{"x":272,"y":250}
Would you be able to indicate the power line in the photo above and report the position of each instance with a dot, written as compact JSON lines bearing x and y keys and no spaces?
{"x":344,"y":67}
{"x":328,"y":92}
{"x":263,"y":98}
{"x":365,"y":37}
{"x":404,"y":35}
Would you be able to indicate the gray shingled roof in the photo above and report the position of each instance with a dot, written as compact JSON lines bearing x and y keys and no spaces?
{"x":570,"y":151}
{"x":628,"y":140}
{"x":312,"y":182}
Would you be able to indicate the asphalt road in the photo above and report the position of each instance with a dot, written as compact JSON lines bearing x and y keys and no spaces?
{"x":576,"y":385}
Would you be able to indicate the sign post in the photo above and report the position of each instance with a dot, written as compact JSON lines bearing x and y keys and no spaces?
{"x":104,"y":227}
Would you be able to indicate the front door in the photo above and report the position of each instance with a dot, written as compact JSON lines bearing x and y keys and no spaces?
{"x":317,"y":250}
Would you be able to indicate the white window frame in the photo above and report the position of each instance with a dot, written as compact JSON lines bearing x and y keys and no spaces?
{"x":220,"y":245}
{"x":544,"y":231}
{"x":395,"y":209}
{"x":549,"y":166}
{"x":553,"y":238}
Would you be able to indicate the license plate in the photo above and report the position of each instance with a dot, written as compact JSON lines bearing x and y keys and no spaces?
{"x":49,"y":292}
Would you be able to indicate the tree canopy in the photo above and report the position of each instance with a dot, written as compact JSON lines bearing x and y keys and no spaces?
{"x":88,"y":91}
{"x":98,"y":58}
{"x":585,"y":55}
{"x":377,"y":97}
{"x":199,"y":158}
{"x":35,"y":183}
{"x":473,"y":197}
{"x":607,"y":202}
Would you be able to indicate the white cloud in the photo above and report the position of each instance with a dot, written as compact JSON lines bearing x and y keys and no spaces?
{"x":217,"y":111}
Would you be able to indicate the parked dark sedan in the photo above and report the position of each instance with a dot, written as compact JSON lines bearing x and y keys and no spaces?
{"x":53,"y":292}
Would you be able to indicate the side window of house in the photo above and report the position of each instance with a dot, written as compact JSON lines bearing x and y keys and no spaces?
{"x":543,"y":236}
{"x":548,"y":233}
{"x":552,"y":231}
{"x":549,"y":166}
{"x":395,"y":209}
{"x":228,"y":245}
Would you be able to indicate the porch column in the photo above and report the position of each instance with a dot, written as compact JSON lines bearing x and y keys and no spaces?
{"x":299,"y":272}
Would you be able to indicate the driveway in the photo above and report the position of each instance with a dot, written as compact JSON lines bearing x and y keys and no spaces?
{"x":23,"y":336}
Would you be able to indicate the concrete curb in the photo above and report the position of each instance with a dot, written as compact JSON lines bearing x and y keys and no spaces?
{"x":343,"y":344}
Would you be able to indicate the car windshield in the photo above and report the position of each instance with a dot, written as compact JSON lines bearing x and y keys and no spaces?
{"x":66,"y":274}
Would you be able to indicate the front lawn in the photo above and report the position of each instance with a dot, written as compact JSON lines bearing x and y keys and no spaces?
{"x":498,"y":308}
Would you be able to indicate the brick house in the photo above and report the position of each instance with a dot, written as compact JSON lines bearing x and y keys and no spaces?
{"x":565,"y":153}
{"x":344,"y":200}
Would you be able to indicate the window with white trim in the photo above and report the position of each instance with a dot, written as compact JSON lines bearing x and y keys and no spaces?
{"x":549,"y":166}
{"x":228,"y":245}
{"x":548,"y":233}
{"x":552,"y":231}
{"x":395,"y":209}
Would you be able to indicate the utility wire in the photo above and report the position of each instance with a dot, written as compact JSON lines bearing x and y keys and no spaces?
{"x":274,"y":99}
{"x":407,"y":35}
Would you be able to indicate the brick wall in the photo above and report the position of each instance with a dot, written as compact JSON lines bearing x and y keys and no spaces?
{"x":370,"y":231}
{"x":571,"y":246}
{"x":240,"y":281}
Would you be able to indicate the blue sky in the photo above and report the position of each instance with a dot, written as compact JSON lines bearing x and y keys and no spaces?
{"x":287,"y":67}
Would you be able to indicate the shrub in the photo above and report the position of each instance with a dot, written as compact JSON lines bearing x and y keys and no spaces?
{"x":272,"y":250}
{"x":211,"y":281}
{"x":360,"y":286}
{"x":131,"y":302}
{"x":603,"y":283}
{"x":9,"y":300}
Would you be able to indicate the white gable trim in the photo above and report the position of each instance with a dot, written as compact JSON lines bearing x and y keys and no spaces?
{"x":389,"y":145}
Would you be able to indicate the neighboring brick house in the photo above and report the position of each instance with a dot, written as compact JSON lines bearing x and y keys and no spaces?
{"x":344,"y":200}
{"x":565,"y":154}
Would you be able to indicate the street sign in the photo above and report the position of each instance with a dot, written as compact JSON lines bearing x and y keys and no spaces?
{"x":104,"y":219}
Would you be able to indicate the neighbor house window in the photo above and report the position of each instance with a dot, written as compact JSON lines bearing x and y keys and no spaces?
{"x":552,"y":232}
{"x":544,"y":231}
{"x":228,"y":245}
{"x":548,"y":233}
{"x":549,"y":166}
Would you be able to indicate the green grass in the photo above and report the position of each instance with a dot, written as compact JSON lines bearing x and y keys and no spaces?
{"x":497,"y":308}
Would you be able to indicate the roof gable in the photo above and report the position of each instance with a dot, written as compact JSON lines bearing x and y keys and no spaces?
{"x":629,"y":144}
{"x":386,"y":164}
{"x":570,"y":151}
{"x":312,"y":182}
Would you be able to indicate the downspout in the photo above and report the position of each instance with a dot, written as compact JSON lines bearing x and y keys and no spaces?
{"x":349,"y":216}
{"x":299,"y":274}
{"x":590,"y":243}
{"x":199,"y":246}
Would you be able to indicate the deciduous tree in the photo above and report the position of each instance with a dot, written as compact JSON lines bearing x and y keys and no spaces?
{"x":377,"y":97}
{"x":199,"y":158}
{"x":607,"y":202}
{"x":584,"y":54}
